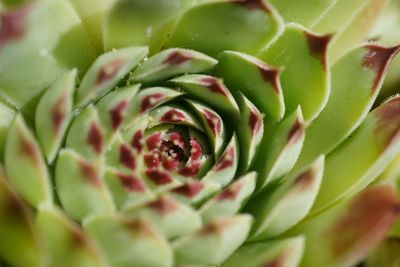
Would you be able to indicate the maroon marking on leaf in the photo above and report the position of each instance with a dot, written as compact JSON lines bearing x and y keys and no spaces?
{"x":152,"y":159}
{"x":29,"y":149}
{"x":270,"y":75}
{"x":78,"y":239}
{"x":108,"y":71}
{"x":13,"y":24}
{"x":190,"y":189}
{"x":191,"y":169}
{"x":215,"y":85}
{"x":131,"y":183}
{"x":196,"y":150}
{"x":117,"y":114}
{"x":296,"y":132}
{"x":163,"y":205}
{"x":126,"y":157}
{"x":318,"y":45}
{"x":378,"y":59}
{"x":150,"y":101}
{"x":231,"y":192}
{"x":159,"y":177}
{"x":137,"y":141}
{"x":139,"y":226}
{"x":388,"y":121}
{"x":255,"y":120}
{"x":89,"y":173}
{"x":305,"y":179}
{"x":373,"y":211}
{"x":216,"y":227}
{"x":227,"y":159}
{"x":13,"y":206}
{"x":213,"y":121}
{"x":279,"y":261}
{"x":59,"y":112}
{"x":154,"y":141}
{"x":95,"y":138}
{"x":254,"y":5}
{"x":177,"y":58}
{"x":174,"y":116}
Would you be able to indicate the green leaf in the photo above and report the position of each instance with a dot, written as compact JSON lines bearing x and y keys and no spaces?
{"x":204,"y":27}
{"x":305,"y":78}
{"x":54,"y":113}
{"x":351,"y":167}
{"x":129,"y":242}
{"x":25,"y":165}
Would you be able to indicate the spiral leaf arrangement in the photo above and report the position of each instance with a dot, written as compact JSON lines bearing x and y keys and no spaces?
{"x":210,"y":133}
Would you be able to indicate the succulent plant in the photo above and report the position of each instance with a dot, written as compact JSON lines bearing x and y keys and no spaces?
{"x":156,"y":133}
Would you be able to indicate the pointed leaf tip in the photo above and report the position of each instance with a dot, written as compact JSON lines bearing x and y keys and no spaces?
{"x":378,"y":59}
{"x":254,"y":5}
{"x":318,"y":45}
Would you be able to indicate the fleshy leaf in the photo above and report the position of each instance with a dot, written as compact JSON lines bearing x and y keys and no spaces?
{"x":65,"y":241}
{"x":172,"y":62}
{"x":351,"y":167}
{"x":305,"y":78}
{"x":34,"y":52}
{"x":259,"y":82}
{"x":204,"y":27}
{"x":210,"y":90}
{"x":230,"y":200}
{"x":351,"y":229}
{"x":225,"y":168}
{"x":7,"y":115}
{"x":194,"y":192}
{"x":25,"y":165}
{"x":284,"y":203}
{"x":129,"y":242}
{"x":356,"y":81}
{"x":128,"y":190}
{"x":106,"y":72}
{"x":53,"y":114}
{"x":213,"y":243}
{"x":80,"y":186}
{"x":174,"y":219}
{"x":17,"y":230}
{"x":275,"y":253}
{"x":137,"y":22}
{"x":386,"y":254}
{"x":278,"y":153}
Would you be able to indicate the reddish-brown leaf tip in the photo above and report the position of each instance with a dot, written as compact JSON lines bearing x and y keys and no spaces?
{"x":318,"y":45}
{"x":378,"y":59}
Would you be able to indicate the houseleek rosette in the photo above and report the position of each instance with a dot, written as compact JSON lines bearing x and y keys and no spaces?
{"x":208,"y":134}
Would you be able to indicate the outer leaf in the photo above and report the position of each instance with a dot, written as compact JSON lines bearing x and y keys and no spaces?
{"x":279,"y":253}
{"x":351,"y":167}
{"x":25,"y":165}
{"x":351,"y":21}
{"x":67,"y":244}
{"x":306,"y":12}
{"x":356,"y":81}
{"x":129,"y":242}
{"x":350,"y":230}
{"x":138,"y":22}
{"x":214,"y":242}
{"x":17,"y":230}
{"x":7,"y":114}
{"x":34,"y":52}
{"x":204,"y":27}
{"x":305,"y":79}
{"x":80,"y":187}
